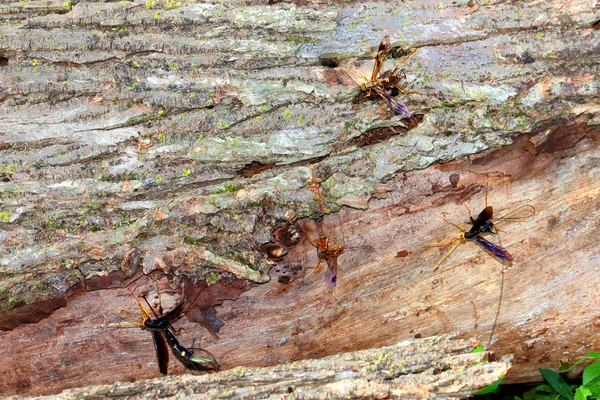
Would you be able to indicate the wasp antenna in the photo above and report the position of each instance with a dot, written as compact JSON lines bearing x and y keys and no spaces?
{"x":135,"y":322}
{"x":144,"y":311}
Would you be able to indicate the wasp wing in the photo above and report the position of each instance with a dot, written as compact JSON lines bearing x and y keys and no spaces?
{"x":162,"y":351}
{"x":382,"y":53}
{"x":493,"y":248}
{"x":521,"y":213}
{"x":398,"y":106}
{"x":331,"y":273}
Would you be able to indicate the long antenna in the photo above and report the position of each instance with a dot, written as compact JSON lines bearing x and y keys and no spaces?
{"x":195,"y":298}
{"x":346,"y":71}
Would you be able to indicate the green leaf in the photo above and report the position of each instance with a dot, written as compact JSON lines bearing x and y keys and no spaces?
{"x":540,"y":392}
{"x":595,"y":390}
{"x":557,"y":383}
{"x":591,"y":354}
{"x":591,"y":372}
{"x":477,"y":349}
{"x":582,"y":393}
{"x":493,"y":388}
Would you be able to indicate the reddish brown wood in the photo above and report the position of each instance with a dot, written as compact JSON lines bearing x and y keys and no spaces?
{"x":386,"y":291}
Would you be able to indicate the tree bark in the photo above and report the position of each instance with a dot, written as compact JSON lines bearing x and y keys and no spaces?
{"x":415,"y":369}
{"x":184,"y":137}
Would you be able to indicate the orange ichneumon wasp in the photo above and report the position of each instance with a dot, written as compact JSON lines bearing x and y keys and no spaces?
{"x":330,"y":255}
{"x":379,"y":82}
{"x":325,"y":252}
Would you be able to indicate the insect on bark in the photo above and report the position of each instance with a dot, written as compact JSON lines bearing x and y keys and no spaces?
{"x":163,"y":335}
{"x":483,"y":224}
{"x":330,"y":255}
{"x":379,"y":82}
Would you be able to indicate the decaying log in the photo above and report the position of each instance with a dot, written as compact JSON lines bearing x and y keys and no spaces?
{"x":141,"y":138}
{"x":428,"y":368}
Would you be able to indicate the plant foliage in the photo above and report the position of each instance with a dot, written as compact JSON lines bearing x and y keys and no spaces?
{"x":555,"y":387}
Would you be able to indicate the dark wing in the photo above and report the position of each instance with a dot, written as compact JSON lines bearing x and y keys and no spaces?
{"x":495,"y":249}
{"x":162,"y":351}
{"x":171,"y":316}
{"x":382,"y":53}
{"x":485,"y":215}
{"x":331,"y":273}
{"x":398,"y":106}
{"x":520,"y":213}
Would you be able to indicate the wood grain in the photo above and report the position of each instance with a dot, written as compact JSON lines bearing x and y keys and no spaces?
{"x":140,"y":138}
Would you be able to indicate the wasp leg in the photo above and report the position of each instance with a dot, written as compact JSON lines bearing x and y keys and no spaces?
{"x":444,"y":243}
{"x":402,"y":61}
{"x":134,"y":321}
{"x":447,"y":254}
{"x":317,"y":268}
{"x":402,"y":90}
{"x":456,"y":225}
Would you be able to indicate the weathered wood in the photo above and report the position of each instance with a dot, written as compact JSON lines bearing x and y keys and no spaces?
{"x":136,"y":136}
{"x":416,"y":369}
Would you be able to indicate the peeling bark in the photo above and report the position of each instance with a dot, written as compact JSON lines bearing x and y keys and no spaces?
{"x":416,"y":369}
{"x":139,"y":137}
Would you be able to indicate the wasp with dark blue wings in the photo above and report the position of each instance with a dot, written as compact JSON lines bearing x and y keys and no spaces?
{"x":484,"y":224}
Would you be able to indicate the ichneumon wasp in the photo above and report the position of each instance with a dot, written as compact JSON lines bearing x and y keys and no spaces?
{"x":483,"y":224}
{"x":325,"y":252}
{"x":163,"y":335}
{"x":380,"y":82}
{"x":330,"y":255}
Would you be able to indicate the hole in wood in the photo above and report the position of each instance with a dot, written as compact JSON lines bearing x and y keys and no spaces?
{"x":379,"y":135}
{"x":288,"y":234}
{"x":273,"y":251}
{"x":402,"y":253}
{"x":329,"y":62}
{"x":255,"y":168}
{"x":454,"y":179}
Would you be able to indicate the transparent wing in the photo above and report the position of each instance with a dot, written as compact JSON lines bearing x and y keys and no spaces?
{"x":382,"y":53}
{"x":398,"y":106}
{"x":521,"y":213}
{"x":331,"y":273}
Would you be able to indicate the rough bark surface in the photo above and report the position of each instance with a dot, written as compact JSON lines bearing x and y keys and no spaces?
{"x":415,"y":369}
{"x":179,"y":136}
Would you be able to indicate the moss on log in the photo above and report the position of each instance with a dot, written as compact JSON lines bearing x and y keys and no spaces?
{"x":181,"y":136}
